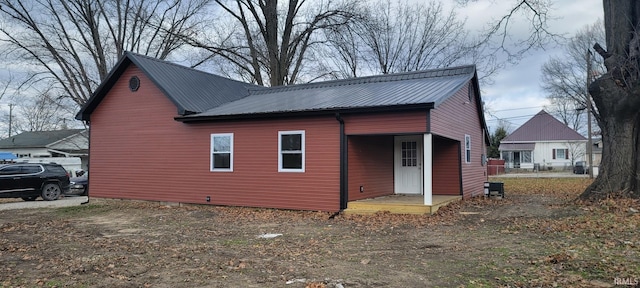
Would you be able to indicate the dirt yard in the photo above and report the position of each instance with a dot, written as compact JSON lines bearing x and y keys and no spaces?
{"x":537,"y":236}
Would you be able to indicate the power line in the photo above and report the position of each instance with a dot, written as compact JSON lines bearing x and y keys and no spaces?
{"x":523,"y":108}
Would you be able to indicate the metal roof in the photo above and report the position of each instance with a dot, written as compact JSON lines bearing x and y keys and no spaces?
{"x":191,"y":90}
{"x":37,"y":139}
{"x":543,"y":127}
{"x":517,"y":146}
{"x":422,"y":87}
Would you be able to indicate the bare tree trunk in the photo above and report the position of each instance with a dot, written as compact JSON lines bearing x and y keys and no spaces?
{"x":617,"y":97}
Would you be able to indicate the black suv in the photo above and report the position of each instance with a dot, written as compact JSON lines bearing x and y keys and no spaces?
{"x":30,"y":180}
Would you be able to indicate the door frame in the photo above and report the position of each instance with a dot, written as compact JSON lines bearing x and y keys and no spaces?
{"x":397,"y":158}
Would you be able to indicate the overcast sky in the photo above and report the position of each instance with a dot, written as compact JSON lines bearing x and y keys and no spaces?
{"x":516,"y":93}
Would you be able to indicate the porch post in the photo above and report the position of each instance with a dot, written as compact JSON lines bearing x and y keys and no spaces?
{"x":427,"y":181}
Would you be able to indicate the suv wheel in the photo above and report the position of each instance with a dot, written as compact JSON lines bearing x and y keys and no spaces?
{"x":30,"y":198}
{"x":51,"y":192}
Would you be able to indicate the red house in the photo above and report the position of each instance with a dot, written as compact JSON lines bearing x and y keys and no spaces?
{"x":160,"y":131}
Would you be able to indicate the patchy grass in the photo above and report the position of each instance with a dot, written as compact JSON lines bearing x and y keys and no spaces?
{"x":83,"y":210}
{"x":538,"y":236}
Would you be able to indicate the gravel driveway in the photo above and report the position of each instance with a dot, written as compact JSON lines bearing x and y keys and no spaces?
{"x":63,"y":202}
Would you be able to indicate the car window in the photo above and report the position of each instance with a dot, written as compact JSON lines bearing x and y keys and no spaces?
{"x":10,"y":170}
{"x":31,"y":169}
{"x":57,"y":169}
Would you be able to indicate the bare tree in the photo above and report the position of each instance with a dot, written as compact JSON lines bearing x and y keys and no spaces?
{"x":402,"y":37}
{"x":563,"y":77}
{"x":269,"y":42}
{"x":577,"y":150}
{"x":344,"y":55}
{"x":41,"y":112}
{"x":500,"y":38}
{"x":76,"y":42}
{"x":616,"y":95}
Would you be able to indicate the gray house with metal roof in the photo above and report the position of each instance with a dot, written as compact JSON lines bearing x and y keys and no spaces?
{"x":45,"y":144}
{"x":207,"y":139}
{"x":543,"y":142}
{"x":57,"y":143}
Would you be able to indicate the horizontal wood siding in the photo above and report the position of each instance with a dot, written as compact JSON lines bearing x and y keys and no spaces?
{"x":370,"y":166}
{"x":454,"y":118}
{"x":403,"y":122}
{"x":138,"y":151}
{"x":446,"y":169}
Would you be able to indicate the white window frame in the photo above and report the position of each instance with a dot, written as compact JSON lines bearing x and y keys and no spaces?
{"x":564,"y":154}
{"x":302,"y":147}
{"x":211,"y":152}
{"x":467,"y":148}
{"x":522,"y":160}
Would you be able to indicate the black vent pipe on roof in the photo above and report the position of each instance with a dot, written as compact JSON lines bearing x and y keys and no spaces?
{"x":344,"y":197}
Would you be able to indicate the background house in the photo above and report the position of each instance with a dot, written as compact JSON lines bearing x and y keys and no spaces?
{"x":543,"y":142}
{"x":194,"y":137}
{"x":46,"y":144}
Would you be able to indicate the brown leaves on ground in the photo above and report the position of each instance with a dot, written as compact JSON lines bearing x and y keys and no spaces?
{"x":538,"y":236}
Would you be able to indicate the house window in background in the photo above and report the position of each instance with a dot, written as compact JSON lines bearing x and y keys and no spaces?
{"x":560,"y":153}
{"x":525,"y":157}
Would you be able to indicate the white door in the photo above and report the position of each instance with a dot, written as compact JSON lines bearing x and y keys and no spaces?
{"x":408,"y":164}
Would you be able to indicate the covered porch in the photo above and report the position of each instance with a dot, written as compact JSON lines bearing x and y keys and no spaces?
{"x":400,"y":204}
{"x":404,"y":174}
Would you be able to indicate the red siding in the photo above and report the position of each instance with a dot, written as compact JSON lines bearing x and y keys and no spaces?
{"x":386,"y":123}
{"x":371,"y":166}
{"x":138,"y":151}
{"x":453,"y":119}
{"x":446,"y":167}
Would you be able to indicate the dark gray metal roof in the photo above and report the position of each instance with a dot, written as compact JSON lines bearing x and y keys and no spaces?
{"x":543,"y":127}
{"x":422,"y":87}
{"x":37,"y":139}
{"x":191,"y":90}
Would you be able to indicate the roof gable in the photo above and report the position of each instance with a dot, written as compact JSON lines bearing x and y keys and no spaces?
{"x":37,"y":139}
{"x":190,"y":90}
{"x":413,"y":88}
{"x":543,"y":127}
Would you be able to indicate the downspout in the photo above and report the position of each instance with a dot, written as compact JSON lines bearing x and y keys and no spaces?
{"x":344,"y":197}
{"x":88,"y":159}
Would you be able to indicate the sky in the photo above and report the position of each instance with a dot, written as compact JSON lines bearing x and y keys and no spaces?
{"x":516,"y":94}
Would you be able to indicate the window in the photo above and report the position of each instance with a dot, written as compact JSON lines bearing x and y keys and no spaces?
{"x":33,"y":169}
{"x":10,"y":170}
{"x":222,"y":152}
{"x":467,"y":148}
{"x":525,"y":157}
{"x":560,"y":153}
{"x":506,"y":156}
{"x":291,"y":151}
{"x":409,"y":153}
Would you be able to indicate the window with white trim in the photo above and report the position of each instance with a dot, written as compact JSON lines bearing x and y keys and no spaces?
{"x":467,"y":148}
{"x":525,"y":157}
{"x":560,"y":154}
{"x":222,"y":152}
{"x":291,"y":151}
